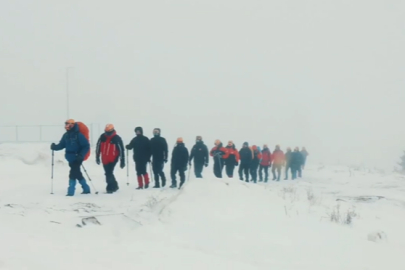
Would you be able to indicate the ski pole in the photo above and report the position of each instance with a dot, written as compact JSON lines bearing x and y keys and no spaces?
{"x":151,"y":172}
{"x":91,"y":182}
{"x":127,"y":169}
{"x":52,"y":172}
{"x":189,"y":172}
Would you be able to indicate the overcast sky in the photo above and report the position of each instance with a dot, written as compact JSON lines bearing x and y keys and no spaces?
{"x":328,"y":75}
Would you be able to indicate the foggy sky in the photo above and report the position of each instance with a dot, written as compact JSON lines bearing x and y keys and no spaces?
{"x":328,"y":75}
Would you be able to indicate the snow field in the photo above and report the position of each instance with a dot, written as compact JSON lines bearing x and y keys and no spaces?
{"x":209,"y":224}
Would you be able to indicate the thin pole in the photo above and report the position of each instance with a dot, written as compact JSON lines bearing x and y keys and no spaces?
{"x":67,"y":92}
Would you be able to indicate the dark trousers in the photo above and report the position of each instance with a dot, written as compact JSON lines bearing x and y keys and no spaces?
{"x":296,"y":172}
{"x":157,"y":167}
{"x":229,"y":170}
{"x":75,"y":172}
{"x":198,"y":168}
{"x":173,"y":172}
{"x":244,"y":168}
{"x":278,"y":168}
{"x":287,"y":167}
{"x":112,"y":184}
{"x":218,"y":168}
{"x":140,"y":167}
{"x":266,"y":173}
{"x":253,"y":171}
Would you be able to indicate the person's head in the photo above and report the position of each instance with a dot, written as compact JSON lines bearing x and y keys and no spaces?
{"x":179,"y":140}
{"x":69,"y":124}
{"x":303,"y":149}
{"x":217,"y":142}
{"x":156,"y":132}
{"x":245,"y":145}
{"x":198,"y":139}
{"x":296,"y":149}
{"x":288,"y":149}
{"x":138,"y":131}
{"x":254,"y":147}
{"x":265,"y":146}
{"x":277,"y":147}
{"x":230,"y":143}
{"x":109,"y":129}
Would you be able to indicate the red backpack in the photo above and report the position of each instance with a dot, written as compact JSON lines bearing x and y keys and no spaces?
{"x":83,"y":129}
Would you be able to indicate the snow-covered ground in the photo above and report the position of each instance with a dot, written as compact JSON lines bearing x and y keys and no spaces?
{"x":333,"y":218}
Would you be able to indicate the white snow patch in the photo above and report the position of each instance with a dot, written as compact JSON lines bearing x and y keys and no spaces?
{"x":209,"y":224}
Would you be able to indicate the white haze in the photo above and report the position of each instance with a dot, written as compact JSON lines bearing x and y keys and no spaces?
{"x":327,"y":75}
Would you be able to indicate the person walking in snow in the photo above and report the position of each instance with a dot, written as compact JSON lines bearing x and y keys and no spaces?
{"x":254,"y":166}
{"x":142,"y":152}
{"x":111,"y":149}
{"x":160,"y":153}
{"x":219,"y":153}
{"x":287,"y":162}
{"x":246,"y":157}
{"x":232,"y":160}
{"x":296,"y":162}
{"x":76,"y":147}
{"x":305,"y":154}
{"x":200,"y":154}
{"x":265,"y":164}
{"x":278,"y":162}
{"x":179,"y":162}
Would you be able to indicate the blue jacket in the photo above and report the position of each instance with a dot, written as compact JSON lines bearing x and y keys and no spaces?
{"x":75,"y":144}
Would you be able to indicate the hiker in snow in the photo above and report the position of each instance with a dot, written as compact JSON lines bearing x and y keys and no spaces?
{"x":76,"y":148}
{"x":199,"y":153}
{"x":278,"y":162}
{"x":111,"y":148}
{"x":254,"y":166}
{"x":160,"y":152}
{"x":232,"y":160}
{"x":179,"y":163}
{"x":296,"y":162}
{"x":305,"y":154}
{"x":265,"y":164}
{"x":246,"y":157}
{"x":141,"y":146}
{"x":219,"y":153}
{"x":287,"y":162}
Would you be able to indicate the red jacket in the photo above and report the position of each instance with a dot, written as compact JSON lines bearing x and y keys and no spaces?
{"x":278,"y":157}
{"x":219,"y":150}
{"x":266,"y":158}
{"x":110,"y":147}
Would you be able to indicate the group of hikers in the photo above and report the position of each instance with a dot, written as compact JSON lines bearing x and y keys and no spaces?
{"x":252,"y":161}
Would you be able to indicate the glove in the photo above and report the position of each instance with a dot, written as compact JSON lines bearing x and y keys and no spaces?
{"x":189,"y":164}
{"x":165,"y":160}
{"x":206,"y":164}
{"x":237,"y":163}
{"x":79,"y":158}
{"x":128,"y":147}
{"x":98,"y":160}
{"x":122,"y":165}
{"x":185,"y":168}
{"x":53,"y":146}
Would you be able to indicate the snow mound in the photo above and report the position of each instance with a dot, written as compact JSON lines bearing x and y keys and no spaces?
{"x":319,"y":222}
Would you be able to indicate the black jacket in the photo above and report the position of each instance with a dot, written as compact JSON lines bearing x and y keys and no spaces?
{"x":297,"y":159}
{"x":141,"y":146}
{"x":179,"y":156}
{"x":159,"y":148}
{"x":200,"y":153}
{"x":246,"y":155}
{"x":288,"y":155}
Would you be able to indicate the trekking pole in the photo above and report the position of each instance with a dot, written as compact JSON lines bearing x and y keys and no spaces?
{"x":189,"y":172}
{"x":151,"y":172}
{"x":127,"y":169}
{"x":91,"y":182}
{"x":52,"y":172}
